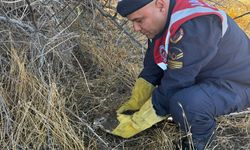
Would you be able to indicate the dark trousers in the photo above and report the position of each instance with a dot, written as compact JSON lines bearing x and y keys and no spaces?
{"x":203,"y":102}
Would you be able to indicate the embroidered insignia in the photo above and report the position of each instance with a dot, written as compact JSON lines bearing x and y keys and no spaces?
{"x":163,"y":53}
{"x":177,"y":37}
{"x":175,"y":64}
{"x":175,"y":56}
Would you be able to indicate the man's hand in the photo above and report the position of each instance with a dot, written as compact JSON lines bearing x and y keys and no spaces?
{"x":127,"y":126}
{"x":140,"y":94}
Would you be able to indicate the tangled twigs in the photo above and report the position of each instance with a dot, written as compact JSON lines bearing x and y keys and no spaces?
{"x":18,"y":23}
{"x":89,"y":127}
{"x":32,"y":14}
{"x":5,"y":111}
{"x":120,"y":27}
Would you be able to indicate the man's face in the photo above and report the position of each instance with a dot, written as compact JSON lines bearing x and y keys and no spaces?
{"x":150,"y":19}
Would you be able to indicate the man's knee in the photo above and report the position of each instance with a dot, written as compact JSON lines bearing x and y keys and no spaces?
{"x":192,"y":107}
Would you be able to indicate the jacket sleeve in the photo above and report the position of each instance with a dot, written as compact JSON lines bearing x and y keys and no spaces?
{"x":187,"y":58}
{"x":151,"y":71}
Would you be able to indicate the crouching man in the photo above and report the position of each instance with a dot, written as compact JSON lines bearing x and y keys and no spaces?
{"x":197,"y":62}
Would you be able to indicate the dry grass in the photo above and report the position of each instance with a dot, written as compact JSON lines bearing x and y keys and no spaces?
{"x":64,"y":63}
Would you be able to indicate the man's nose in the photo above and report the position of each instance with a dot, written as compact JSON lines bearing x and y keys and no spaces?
{"x":136,"y":26}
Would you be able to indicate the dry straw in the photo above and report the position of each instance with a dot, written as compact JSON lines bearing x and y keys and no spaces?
{"x":62,"y":63}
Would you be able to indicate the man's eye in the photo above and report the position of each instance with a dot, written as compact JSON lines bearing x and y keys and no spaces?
{"x":139,"y":21}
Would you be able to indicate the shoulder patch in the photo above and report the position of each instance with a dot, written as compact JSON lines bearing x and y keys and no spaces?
{"x":175,"y":58}
{"x":177,"y":37}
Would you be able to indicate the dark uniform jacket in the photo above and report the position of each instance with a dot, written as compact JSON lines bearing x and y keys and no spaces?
{"x":203,"y":55}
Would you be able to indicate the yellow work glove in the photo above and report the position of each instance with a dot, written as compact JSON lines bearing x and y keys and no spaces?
{"x":140,"y":94}
{"x":129,"y":125}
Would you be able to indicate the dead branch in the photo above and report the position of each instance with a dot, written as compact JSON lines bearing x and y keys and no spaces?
{"x":18,"y":23}
{"x":8,"y":125}
{"x":32,"y":14}
{"x":120,"y":27}
{"x":215,"y":3}
{"x":247,"y":13}
{"x":83,"y":72}
{"x":63,"y":20}
{"x":89,"y":127}
{"x":239,"y":114}
{"x":4,"y":109}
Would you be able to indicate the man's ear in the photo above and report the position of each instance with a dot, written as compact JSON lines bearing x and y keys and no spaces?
{"x":162,"y":5}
